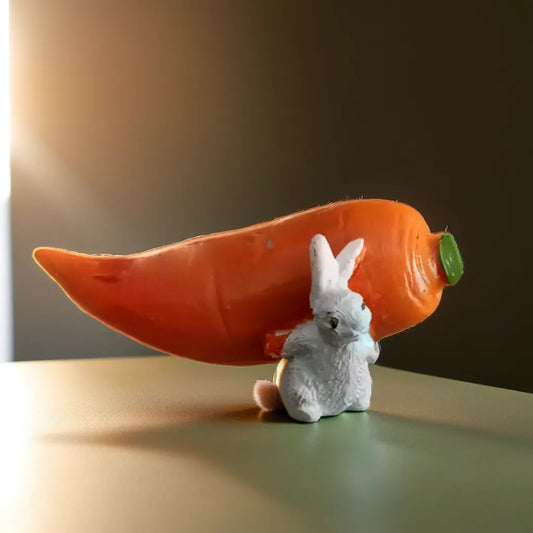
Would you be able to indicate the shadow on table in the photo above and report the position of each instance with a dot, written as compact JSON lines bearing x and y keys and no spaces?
{"x":345,"y":464}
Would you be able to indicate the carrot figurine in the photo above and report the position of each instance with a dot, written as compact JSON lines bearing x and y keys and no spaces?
{"x":230,"y":297}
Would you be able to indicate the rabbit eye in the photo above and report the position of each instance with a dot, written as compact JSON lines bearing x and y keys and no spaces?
{"x":333,"y":322}
{"x":363,"y":306}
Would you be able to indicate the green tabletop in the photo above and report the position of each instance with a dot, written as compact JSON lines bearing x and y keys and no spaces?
{"x":161,"y":444}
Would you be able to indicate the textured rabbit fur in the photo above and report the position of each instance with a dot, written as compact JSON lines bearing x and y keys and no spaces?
{"x":324,"y":370}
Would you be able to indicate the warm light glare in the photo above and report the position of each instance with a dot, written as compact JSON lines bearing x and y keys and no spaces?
{"x":5,"y":181}
{"x":5,"y":190}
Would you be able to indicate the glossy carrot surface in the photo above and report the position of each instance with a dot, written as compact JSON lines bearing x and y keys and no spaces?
{"x":219,"y":298}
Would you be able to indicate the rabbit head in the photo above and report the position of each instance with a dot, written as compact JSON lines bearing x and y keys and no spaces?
{"x":340,"y":314}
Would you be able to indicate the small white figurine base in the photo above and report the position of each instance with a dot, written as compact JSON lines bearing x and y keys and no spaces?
{"x":324,"y":370}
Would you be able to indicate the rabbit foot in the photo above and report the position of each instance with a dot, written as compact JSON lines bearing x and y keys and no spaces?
{"x":299,"y":401}
{"x":308,"y":414}
{"x":360,"y":405}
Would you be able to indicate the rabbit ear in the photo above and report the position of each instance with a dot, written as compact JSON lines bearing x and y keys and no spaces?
{"x":346,"y":260}
{"x":324,"y":267}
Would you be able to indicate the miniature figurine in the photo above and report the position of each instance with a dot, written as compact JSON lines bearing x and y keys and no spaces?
{"x":324,"y":370}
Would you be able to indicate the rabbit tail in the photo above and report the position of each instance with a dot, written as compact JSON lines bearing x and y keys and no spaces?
{"x":266,"y":395}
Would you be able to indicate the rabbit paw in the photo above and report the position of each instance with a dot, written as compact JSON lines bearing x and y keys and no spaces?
{"x":306,"y":413}
{"x":300,"y":403}
{"x":362,"y":398}
{"x":360,"y":405}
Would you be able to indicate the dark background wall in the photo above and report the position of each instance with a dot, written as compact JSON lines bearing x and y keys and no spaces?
{"x":142,"y":123}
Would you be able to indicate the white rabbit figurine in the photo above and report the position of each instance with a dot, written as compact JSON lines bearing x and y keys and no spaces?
{"x":324,"y":370}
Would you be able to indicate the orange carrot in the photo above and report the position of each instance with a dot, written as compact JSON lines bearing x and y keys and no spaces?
{"x":221,"y":298}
